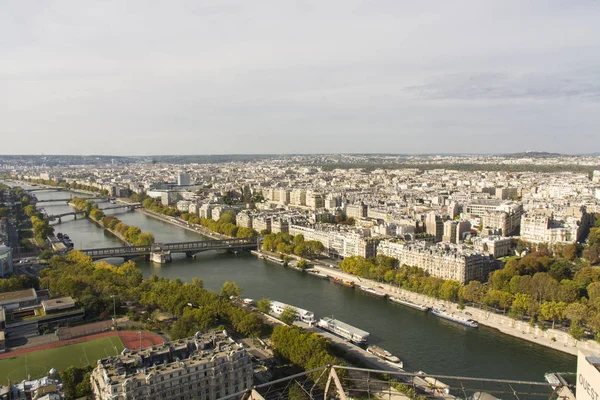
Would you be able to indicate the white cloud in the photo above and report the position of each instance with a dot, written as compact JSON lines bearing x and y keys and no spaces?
{"x":340,"y":75}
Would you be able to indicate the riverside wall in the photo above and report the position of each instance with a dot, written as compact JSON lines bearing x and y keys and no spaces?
{"x":552,"y":338}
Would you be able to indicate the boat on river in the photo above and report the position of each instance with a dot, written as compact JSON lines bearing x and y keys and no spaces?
{"x":442,"y":313}
{"x":305,"y":316}
{"x":343,"y":330}
{"x":316,"y":273}
{"x":343,"y":282}
{"x":408,"y":303}
{"x":555,"y":380}
{"x":372,"y":292}
{"x":385,"y":356}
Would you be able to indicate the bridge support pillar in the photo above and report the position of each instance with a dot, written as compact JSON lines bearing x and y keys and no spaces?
{"x":160,"y":257}
{"x":59,"y":220}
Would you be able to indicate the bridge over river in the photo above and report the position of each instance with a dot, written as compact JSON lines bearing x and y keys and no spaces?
{"x":161,"y":252}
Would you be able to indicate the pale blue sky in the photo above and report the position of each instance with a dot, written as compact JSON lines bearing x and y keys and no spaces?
{"x":206,"y":77}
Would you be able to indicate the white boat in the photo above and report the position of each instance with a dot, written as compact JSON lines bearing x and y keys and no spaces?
{"x":317,"y":274}
{"x":555,"y":379}
{"x":302,"y":315}
{"x":343,"y":330}
{"x":385,"y":356}
{"x":372,"y":291}
{"x":442,"y":313}
{"x":408,"y":303}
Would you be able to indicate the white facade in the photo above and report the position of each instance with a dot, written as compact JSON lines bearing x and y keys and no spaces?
{"x":205,"y":367}
{"x":455,"y":262}
{"x":301,"y":314}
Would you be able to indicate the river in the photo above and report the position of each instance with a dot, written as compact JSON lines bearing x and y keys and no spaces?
{"x":422,"y":341}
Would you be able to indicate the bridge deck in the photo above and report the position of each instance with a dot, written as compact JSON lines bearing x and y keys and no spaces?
{"x":182,"y":247}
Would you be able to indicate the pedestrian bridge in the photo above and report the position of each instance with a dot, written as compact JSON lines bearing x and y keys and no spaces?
{"x":161,"y":252}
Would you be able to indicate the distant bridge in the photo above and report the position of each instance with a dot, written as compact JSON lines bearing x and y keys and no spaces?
{"x":67,"y":199}
{"x":60,"y":216}
{"x":161,"y":252}
{"x":129,"y":206}
{"x":58,"y":189}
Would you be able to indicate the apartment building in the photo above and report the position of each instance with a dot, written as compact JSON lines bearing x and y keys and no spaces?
{"x":434,"y":226}
{"x":315,"y":201}
{"x":284,"y":196}
{"x":261,"y":223}
{"x":206,"y":211}
{"x":480,"y":207}
{"x":244,"y":219}
{"x":495,"y":246}
{"x":356,"y":211}
{"x":545,"y":228}
{"x":446,"y":261}
{"x":280,"y":225}
{"x":505,"y":193}
{"x":298,"y":197}
{"x":204,"y":367}
{"x":506,"y":217}
{"x":454,"y":231}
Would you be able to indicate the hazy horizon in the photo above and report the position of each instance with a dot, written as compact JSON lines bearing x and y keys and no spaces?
{"x":279,"y":77}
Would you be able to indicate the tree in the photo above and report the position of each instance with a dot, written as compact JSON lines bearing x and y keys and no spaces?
{"x":577,"y":331}
{"x":230,"y":289}
{"x":544,"y":287}
{"x":76,"y":382}
{"x":552,"y":311}
{"x":569,"y":251}
{"x":520,"y":304}
{"x":264,"y":305}
{"x":568,"y":291}
{"x":576,"y":312}
{"x":594,"y":236}
{"x":288,"y":315}
{"x":144,"y":239}
{"x":46,"y":255}
{"x":472,"y":291}
{"x":592,"y":254}
{"x":586,"y":275}
{"x":30,"y":210}
{"x":449,"y":290}
{"x":297,"y":392}
{"x":593,"y":291}
{"x":197,"y":282}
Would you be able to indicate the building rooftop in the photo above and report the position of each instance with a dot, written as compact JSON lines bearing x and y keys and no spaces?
{"x":16,"y":296}
{"x":199,"y":349}
{"x":60,"y":303}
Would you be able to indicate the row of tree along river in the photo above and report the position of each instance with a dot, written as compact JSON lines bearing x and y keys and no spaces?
{"x":423,"y":341}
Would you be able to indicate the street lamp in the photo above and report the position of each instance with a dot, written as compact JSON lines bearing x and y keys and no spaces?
{"x":114,"y":309}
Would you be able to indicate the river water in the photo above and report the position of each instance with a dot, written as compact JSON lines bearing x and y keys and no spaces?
{"x":422,"y":341}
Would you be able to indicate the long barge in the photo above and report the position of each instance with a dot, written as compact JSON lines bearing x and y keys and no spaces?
{"x":442,"y":313}
{"x":372,"y":292}
{"x":343,"y":282}
{"x":305,"y":316}
{"x":316,"y":273}
{"x":343,"y":330}
{"x":409,"y":303}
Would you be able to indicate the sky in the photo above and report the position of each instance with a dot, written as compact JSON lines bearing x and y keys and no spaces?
{"x":224,"y":77}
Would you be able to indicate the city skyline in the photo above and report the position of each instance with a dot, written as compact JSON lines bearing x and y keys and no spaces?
{"x":281,"y":78}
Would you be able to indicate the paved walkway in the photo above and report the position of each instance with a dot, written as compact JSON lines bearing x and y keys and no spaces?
{"x":562,"y":340}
